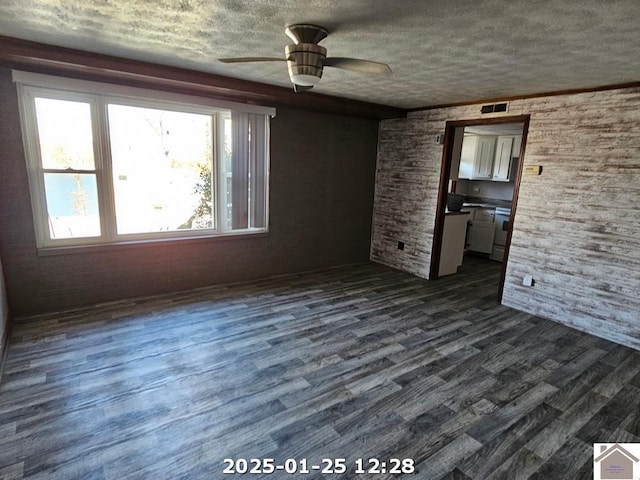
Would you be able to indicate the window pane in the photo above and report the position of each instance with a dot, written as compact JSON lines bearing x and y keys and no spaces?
{"x":64,"y":129}
{"x":72,"y":205}
{"x":162,"y":169}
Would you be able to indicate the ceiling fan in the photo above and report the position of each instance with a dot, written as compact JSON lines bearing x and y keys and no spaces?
{"x":306,"y":59}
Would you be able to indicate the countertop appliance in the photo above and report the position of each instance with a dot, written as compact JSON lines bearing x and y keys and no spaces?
{"x":502,"y":225}
{"x":454,"y":202}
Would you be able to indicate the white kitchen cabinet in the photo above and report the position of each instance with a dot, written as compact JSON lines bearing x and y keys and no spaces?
{"x":517,"y":145}
{"x":481,"y":231}
{"x":502,"y":161}
{"x":481,"y":237}
{"x":483,"y":168}
{"x":467,"y":157}
{"x":453,"y":236}
{"x":483,"y":215}
{"x":476,"y":158}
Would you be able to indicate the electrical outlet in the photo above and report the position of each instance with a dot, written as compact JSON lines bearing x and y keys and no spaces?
{"x":528,"y":281}
{"x":400,"y":245}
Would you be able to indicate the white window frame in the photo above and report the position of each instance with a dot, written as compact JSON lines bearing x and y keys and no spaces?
{"x":99,"y":96}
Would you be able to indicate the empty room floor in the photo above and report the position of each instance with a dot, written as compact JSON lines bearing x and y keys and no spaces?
{"x":359,"y":362}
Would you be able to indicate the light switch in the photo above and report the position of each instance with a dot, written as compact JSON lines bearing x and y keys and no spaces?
{"x":527,"y":281}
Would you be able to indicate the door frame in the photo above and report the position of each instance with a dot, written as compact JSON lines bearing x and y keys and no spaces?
{"x":447,"y":157}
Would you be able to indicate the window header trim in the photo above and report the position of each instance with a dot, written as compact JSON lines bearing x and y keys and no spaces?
{"x":101,"y":88}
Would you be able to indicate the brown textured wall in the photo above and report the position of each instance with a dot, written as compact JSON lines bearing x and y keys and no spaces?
{"x":577,"y":226}
{"x":4,"y":317}
{"x":321,"y":196}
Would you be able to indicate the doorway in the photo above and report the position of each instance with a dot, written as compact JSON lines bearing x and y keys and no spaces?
{"x":475,"y":156}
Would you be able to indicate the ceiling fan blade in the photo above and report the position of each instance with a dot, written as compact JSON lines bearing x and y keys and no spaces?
{"x":251,"y":59}
{"x":301,"y":88}
{"x":357,"y":65}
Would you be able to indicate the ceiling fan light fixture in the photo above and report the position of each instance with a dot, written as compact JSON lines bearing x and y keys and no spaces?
{"x":304,"y":80}
{"x":305,"y":63}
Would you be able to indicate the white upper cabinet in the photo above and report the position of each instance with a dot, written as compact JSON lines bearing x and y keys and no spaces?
{"x":476,"y":158}
{"x":467,"y":156}
{"x":502,"y":162}
{"x":517,"y":144}
{"x":485,"y":152}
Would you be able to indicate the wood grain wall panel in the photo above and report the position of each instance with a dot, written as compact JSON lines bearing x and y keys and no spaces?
{"x":406,"y":188}
{"x":407,"y":177}
{"x":577,"y":226}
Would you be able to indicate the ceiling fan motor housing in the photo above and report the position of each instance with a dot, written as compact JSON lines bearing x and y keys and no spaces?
{"x":305,"y":62}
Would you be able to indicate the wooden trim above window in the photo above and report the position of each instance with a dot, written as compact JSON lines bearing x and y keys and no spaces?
{"x":44,"y":58}
{"x":76,"y":86}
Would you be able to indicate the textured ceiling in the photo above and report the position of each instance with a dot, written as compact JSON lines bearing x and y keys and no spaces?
{"x":440,"y":52}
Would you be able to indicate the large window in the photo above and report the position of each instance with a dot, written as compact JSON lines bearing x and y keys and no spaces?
{"x":110,"y":168}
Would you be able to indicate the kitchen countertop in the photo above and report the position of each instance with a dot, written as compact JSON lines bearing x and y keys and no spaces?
{"x":486,"y":202}
{"x":481,"y":205}
{"x":462,"y":212}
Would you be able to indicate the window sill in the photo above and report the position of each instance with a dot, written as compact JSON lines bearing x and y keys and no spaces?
{"x":147,"y":243}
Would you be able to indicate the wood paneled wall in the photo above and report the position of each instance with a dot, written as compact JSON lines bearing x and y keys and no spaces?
{"x":577,"y":226}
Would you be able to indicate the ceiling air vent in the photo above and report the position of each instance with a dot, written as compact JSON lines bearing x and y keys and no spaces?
{"x":494,"y":108}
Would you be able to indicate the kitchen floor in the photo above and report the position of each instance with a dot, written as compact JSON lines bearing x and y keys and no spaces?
{"x":473,"y":262}
{"x":360,"y":362}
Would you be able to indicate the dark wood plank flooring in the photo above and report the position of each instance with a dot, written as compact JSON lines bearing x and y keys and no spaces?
{"x":353,"y":362}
